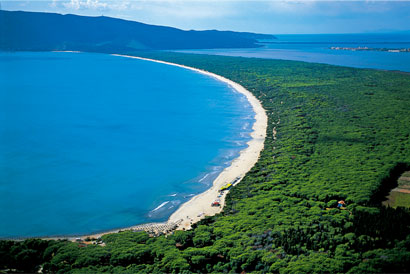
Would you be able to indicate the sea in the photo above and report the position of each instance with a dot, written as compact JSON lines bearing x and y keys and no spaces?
{"x":317,"y":48}
{"x":94,"y":142}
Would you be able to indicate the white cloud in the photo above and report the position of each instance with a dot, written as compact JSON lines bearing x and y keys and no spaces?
{"x":92,"y":4}
{"x":85,"y":4}
{"x":291,"y":6}
{"x":179,"y":8}
{"x":185,"y":9}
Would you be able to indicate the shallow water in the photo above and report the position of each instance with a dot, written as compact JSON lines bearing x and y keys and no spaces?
{"x":92,"y":142}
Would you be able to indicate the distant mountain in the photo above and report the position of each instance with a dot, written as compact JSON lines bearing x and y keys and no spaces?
{"x":37,"y":31}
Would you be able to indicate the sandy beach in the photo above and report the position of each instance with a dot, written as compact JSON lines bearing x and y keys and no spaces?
{"x":199,"y":206}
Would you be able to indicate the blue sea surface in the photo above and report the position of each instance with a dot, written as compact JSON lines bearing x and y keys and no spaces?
{"x":93,"y":142}
{"x":316,"y":48}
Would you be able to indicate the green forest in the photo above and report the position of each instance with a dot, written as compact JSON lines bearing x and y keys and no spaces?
{"x":342,"y":134}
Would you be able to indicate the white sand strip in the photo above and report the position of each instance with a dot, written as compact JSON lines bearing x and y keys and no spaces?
{"x":200,"y":205}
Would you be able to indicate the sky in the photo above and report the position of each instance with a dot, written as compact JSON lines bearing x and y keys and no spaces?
{"x":261,"y":16}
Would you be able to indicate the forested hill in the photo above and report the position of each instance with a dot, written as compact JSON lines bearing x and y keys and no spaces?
{"x":49,"y":31}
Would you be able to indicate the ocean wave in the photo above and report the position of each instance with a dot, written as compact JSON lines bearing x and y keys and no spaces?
{"x":245,"y":126}
{"x":175,"y":202}
{"x":239,"y":143}
{"x":227,"y":163}
{"x":244,"y":134}
{"x":160,"y":206}
{"x":234,"y":90}
{"x":229,"y":155}
{"x":216,"y":169}
{"x":203,"y":178}
{"x":248,"y":117}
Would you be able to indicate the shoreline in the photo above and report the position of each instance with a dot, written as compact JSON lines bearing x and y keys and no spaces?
{"x":199,"y":206}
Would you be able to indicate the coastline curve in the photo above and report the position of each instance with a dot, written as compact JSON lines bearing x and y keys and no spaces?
{"x":199,"y":206}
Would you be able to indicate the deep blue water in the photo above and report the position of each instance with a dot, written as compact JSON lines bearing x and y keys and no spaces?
{"x":316,"y":48}
{"x":92,"y":142}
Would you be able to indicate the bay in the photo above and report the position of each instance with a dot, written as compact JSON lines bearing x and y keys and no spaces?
{"x":93,"y":142}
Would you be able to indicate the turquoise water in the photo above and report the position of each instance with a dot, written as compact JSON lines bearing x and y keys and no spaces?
{"x":92,"y":142}
{"x":316,"y":48}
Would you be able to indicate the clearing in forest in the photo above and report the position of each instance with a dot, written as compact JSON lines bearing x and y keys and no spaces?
{"x":400,"y":196}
